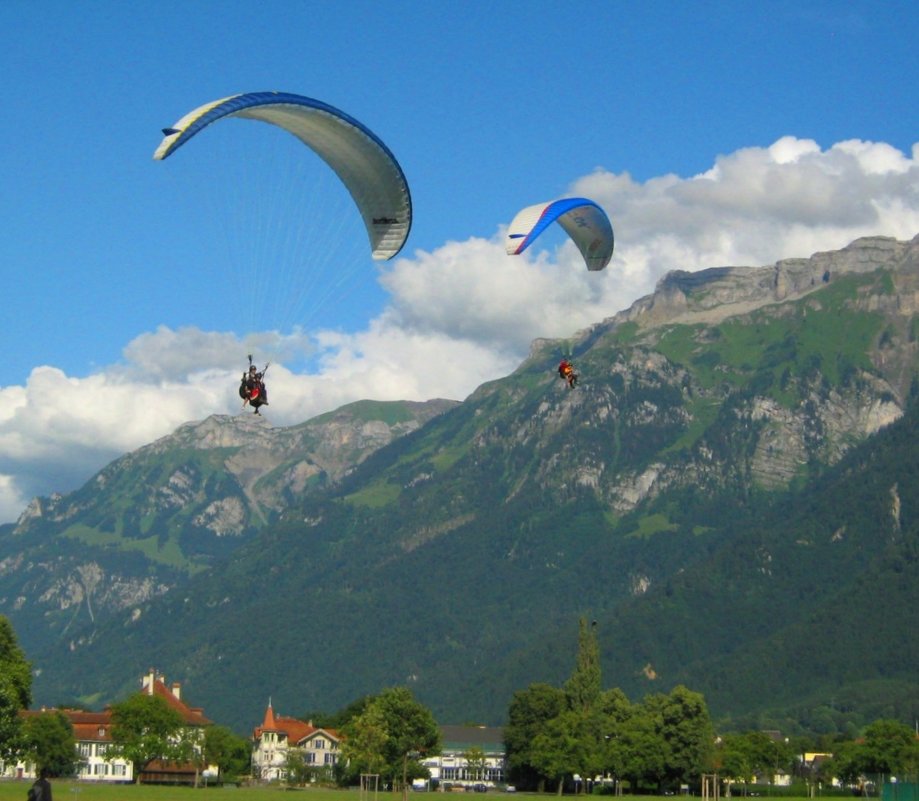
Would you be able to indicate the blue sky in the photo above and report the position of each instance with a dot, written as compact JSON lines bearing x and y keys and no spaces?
{"x":712,"y":133}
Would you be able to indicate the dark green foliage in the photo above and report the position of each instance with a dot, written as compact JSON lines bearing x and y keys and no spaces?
{"x":50,"y":743}
{"x":529,"y":712}
{"x":144,"y":728}
{"x":231,"y":753}
{"x":887,"y":748}
{"x":391,"y":736}
{"x":582,"y":689}
{"x":15,"y":690}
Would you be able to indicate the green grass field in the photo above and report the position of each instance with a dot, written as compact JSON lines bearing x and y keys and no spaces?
{"x":12,"y":790}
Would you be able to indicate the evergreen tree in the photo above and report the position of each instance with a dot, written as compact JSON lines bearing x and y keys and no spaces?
{"x":583,"y":688}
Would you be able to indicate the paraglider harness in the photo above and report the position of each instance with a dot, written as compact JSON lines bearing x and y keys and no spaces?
{"x":252,"y":388}
{"x":566,"y":373}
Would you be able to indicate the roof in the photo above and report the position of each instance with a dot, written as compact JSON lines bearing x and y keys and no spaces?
{"x":294,"y":729}
{"x":87,"y":726}
{"x":97,"y":726}
{"x":191,"y":715}
{"x":90,"y":725}
{"x":461,"y":738}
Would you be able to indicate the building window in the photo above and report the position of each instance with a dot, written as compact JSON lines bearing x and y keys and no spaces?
{"x":330,"y":759}
{"x":310,"y":759}
{"x":318,"y":743}
{"x":86,"y":750}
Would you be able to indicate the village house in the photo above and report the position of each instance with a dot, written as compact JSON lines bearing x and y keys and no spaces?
{"x":158,"y":772}
{"x":93,"y":734}
{"x":280,"y":739}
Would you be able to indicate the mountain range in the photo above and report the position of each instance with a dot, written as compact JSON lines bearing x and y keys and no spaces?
{"x":729,"y":493}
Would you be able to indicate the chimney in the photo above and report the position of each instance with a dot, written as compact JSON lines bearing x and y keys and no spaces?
{"x":177,"y":690}
{"x":148,"y":681}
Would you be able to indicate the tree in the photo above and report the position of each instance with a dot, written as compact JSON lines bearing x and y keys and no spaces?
{"x":15,"y":691}
{"x":227,"y":750}
{"x":364,"y":747}
{"x":145,"y":728}
{"x":341,"y":718}
{"x":583,"y":687}
{"x":556,"y":750}
{"x":390,"y":736}
{"x":298,"y":771}
{"x":735,"y":760}
{"x":529,"y":712}
{"x":50,"y":744}
{"x":475,"y":763}
{"x":638,"y":751}
{"x":686,"y":729}
{"x":890,"y":748}
{"x":615,"y":710}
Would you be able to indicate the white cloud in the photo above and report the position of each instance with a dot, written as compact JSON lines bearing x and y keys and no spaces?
{"x":464,"y":313}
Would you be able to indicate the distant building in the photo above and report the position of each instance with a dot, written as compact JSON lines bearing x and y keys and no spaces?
{"x":452,"y":766}
{"x":158,"y":772}
{"x":280,"y":739}
{"x":93,"y":734}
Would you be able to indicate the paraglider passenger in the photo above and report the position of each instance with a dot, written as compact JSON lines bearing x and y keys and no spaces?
{"x":252,"y":389}
{"x":566,"y":373}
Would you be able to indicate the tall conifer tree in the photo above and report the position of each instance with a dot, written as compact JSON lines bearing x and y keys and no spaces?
{"x":583,"y":688}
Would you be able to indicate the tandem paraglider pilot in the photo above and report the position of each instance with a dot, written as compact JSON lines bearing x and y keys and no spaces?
{"x":566,"y":373}
{"x":252,"y":388}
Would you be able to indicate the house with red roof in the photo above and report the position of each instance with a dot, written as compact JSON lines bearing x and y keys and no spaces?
{"x":159,"y":772}
{"x":93,"y":734}
{"x":280,"y":739}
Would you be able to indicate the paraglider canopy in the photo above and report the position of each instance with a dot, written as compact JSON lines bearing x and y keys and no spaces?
{"x":364,"y":164}
{"x":583,"y":220}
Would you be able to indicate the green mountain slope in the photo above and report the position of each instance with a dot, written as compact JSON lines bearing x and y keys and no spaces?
{"x":173,"y":509}
{"x":689,"y":496}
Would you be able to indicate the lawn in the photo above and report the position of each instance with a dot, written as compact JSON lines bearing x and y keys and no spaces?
{"x":12,"y":790}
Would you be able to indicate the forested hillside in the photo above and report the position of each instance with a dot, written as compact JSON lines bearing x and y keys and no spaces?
{"x":727,"y":493}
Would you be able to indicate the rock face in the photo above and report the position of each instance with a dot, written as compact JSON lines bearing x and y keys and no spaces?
{"x":172,"y":507}
{"x":720,"y":292}
{"x":843,"y":369}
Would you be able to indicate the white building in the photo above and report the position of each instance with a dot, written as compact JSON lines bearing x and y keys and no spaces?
{"x":279,"y":738}
{"x":452,"y":766}
{"x":93,"y":734}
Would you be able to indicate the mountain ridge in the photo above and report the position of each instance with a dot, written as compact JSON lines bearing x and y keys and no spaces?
{"x":456,"y":557}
